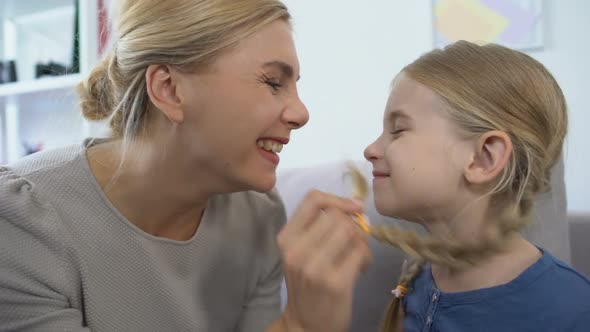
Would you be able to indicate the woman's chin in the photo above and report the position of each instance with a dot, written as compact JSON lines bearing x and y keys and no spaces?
{"x":265,"y":184}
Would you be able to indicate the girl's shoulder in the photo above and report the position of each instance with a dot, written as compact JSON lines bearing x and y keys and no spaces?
{"x":549,"y":296}
{"x":563,"y":282}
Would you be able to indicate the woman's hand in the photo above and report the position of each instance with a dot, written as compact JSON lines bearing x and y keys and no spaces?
{"x":323,"y":253}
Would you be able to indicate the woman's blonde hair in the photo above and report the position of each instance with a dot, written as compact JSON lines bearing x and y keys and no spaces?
{"x":186,"y":34}
{"x":489,"y":87}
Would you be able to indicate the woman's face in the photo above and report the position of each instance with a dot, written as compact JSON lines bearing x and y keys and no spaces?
{"x":240,"y":111}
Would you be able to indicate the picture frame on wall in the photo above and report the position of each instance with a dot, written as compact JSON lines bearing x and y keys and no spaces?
{"x":517,"y":24}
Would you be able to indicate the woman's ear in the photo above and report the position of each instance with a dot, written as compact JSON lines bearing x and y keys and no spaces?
{"x":161,"y":87}
{"x":491,"y":155}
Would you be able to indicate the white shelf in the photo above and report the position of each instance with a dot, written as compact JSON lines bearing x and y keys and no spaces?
{"x":36,"y":110}
{"x":15,"y":8}
{"x":42,"y":84}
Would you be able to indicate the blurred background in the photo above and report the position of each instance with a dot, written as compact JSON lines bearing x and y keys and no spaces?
{"x":349,"y":52}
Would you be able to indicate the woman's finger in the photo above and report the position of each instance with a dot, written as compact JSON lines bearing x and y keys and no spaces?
{"x":358,"y":259}
{"x":309,"y":244}
{"x":308,"y":211}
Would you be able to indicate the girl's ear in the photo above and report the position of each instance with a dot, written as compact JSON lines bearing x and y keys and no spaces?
{"x":491,"y":155}
{"x":161,"y":87}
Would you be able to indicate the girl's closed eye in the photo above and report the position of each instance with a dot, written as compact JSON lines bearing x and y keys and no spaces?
{"x":399,"y":125}
{"x":397,"y":131}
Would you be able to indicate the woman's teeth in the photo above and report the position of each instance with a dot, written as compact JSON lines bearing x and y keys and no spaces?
{"x":269,"y":145}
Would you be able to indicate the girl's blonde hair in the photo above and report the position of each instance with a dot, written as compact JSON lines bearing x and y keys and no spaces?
{"x":488,"y":88}
{"x":186,"y":34}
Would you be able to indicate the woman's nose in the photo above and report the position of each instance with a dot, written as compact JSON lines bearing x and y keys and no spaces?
{"x":296,"y":114}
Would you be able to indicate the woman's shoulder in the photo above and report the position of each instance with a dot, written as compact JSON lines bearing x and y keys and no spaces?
{"x":22,"y":182}
{"x":38,"y":258}
{"x":29,"y":222}
{"x":28,"y":188}
{"x":41,"y":169}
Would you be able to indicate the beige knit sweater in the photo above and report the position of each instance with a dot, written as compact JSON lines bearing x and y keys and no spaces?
{"x":69,"y":261}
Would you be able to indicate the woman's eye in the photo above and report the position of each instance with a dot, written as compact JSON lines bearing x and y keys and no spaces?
{"x":274,"y":85}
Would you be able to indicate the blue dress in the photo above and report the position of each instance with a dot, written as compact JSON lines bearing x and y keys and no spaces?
{"x":548,"y":296}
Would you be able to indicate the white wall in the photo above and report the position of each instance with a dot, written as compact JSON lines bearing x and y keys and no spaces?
{"x":53,"y":119}
{"x":350,"y":50}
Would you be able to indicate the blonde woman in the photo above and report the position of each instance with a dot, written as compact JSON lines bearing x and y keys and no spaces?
{"x":171,"y":223}
{"x":470,"y":134}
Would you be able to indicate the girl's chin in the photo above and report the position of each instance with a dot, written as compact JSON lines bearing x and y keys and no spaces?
{"x":384,"y":206}
{"x":388,"y":210}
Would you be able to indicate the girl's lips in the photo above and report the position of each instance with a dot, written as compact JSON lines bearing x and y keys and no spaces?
{"x":379,"y":174}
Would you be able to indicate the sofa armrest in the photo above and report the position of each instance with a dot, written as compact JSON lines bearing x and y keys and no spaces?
{"x":579,"y":226}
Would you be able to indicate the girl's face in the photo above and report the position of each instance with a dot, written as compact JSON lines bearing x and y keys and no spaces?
{"x":419,"y":158}
{"x":239,"y":112}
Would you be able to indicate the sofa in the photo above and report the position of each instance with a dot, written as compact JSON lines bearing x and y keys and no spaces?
{"x":567,"y":238}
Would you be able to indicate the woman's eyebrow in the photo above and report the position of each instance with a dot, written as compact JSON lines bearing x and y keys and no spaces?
{"x":285,"y":68}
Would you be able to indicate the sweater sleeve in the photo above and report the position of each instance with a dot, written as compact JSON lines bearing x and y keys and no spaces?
{"x":37,"y":285}
{"x":264,"y":305}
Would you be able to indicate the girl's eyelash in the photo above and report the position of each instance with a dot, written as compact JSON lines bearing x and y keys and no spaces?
{"x":397,"y":131}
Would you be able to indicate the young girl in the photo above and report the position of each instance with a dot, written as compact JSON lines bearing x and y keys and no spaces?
{"x":470,"y":134}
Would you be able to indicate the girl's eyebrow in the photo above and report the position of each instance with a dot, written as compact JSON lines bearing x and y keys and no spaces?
{"x":398,"y":113}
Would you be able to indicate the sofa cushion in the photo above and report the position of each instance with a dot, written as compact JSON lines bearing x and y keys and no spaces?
{"x":580,"y":235}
